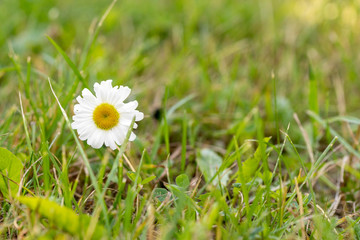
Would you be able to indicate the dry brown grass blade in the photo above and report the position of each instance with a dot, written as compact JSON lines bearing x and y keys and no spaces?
{"x":300,"y":200}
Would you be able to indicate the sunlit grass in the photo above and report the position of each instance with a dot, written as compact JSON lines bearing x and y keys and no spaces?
{"x":251,"y":127}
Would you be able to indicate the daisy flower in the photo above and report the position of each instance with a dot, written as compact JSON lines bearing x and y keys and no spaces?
{"x":105,"y":118}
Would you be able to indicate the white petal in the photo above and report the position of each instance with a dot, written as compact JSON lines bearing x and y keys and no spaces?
{"x":115,"y":137}
{"x":98,"y":139}
{"x":87,"y":99}
{"x":130,"y":115}
{"x":83,"y":115}
{"x":125,"y":120}
{"x":132,"y":137}
{"x":124,"y":92}
{"x":119,"y":134}
{"x":139,"y":116}
{"x":91,"y":140}
{"x":125,"y":130}
{"x":109,"y":141}
{"x":128,"y":107}
{"x":81,"y":108}
{"x":81,"y":124}
{"x":86,"y":131}
{"x":74,"y":125}
{"x":102,"y":89}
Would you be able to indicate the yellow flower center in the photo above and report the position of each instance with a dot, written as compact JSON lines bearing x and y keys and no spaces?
{"x":106,"y":116}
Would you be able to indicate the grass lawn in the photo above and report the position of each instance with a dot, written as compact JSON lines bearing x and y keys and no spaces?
{"x":251,"y":122}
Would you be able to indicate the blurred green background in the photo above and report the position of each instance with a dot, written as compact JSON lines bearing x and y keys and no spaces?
{"x":224,"y":71}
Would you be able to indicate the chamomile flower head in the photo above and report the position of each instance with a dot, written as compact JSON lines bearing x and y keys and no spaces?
{"x":105,"y":118}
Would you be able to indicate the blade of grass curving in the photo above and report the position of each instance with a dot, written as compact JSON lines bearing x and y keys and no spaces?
{"x":68,"y":61}
{"x":138,"y":216}
{"x":279,"y":214}
{"x":179,"y":104}
{"x":333,"y":133}
{"x":296,"y":152}
{"x":64,"y":179}
{"x":258,"y":200}
{"x":313,"y":97}
{"x":278,"y":163}
{"x":117,"y":159}
{"x":312,"y":170}
{"x":120,"y":184}
{"x":130,"y":198}
{"x":102,"y":169}
{"x":92,"y":38}
{"x":7,"y":69}
{"x":244,"y":188}
{"x":25,"y":81}
{"x":28,"y":141}
{"x":139,"y":169}
{"x":86,"y":161}
{"x":45,"y":163}
{"x":71,"y":92}
{"x":239,"y":128}
{"x":17,"y":66}
{"x":348,"y":119}
{"x":27,"y":88}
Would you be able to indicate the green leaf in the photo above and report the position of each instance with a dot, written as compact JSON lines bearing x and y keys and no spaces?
{"x":10,"y":170}
{"x":148,"y":179}
{"x":65,"y":218}
{"x":160,"y":194}
{"x":237,"y":185}
{"x":132,"y":176}
{"x":182,"y":181}
{"x":265,"y":176}
{"x":325,"y":228}
{"x":209,"y":163}
{"x":251,"y":165}
{"x":180,"y":195}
